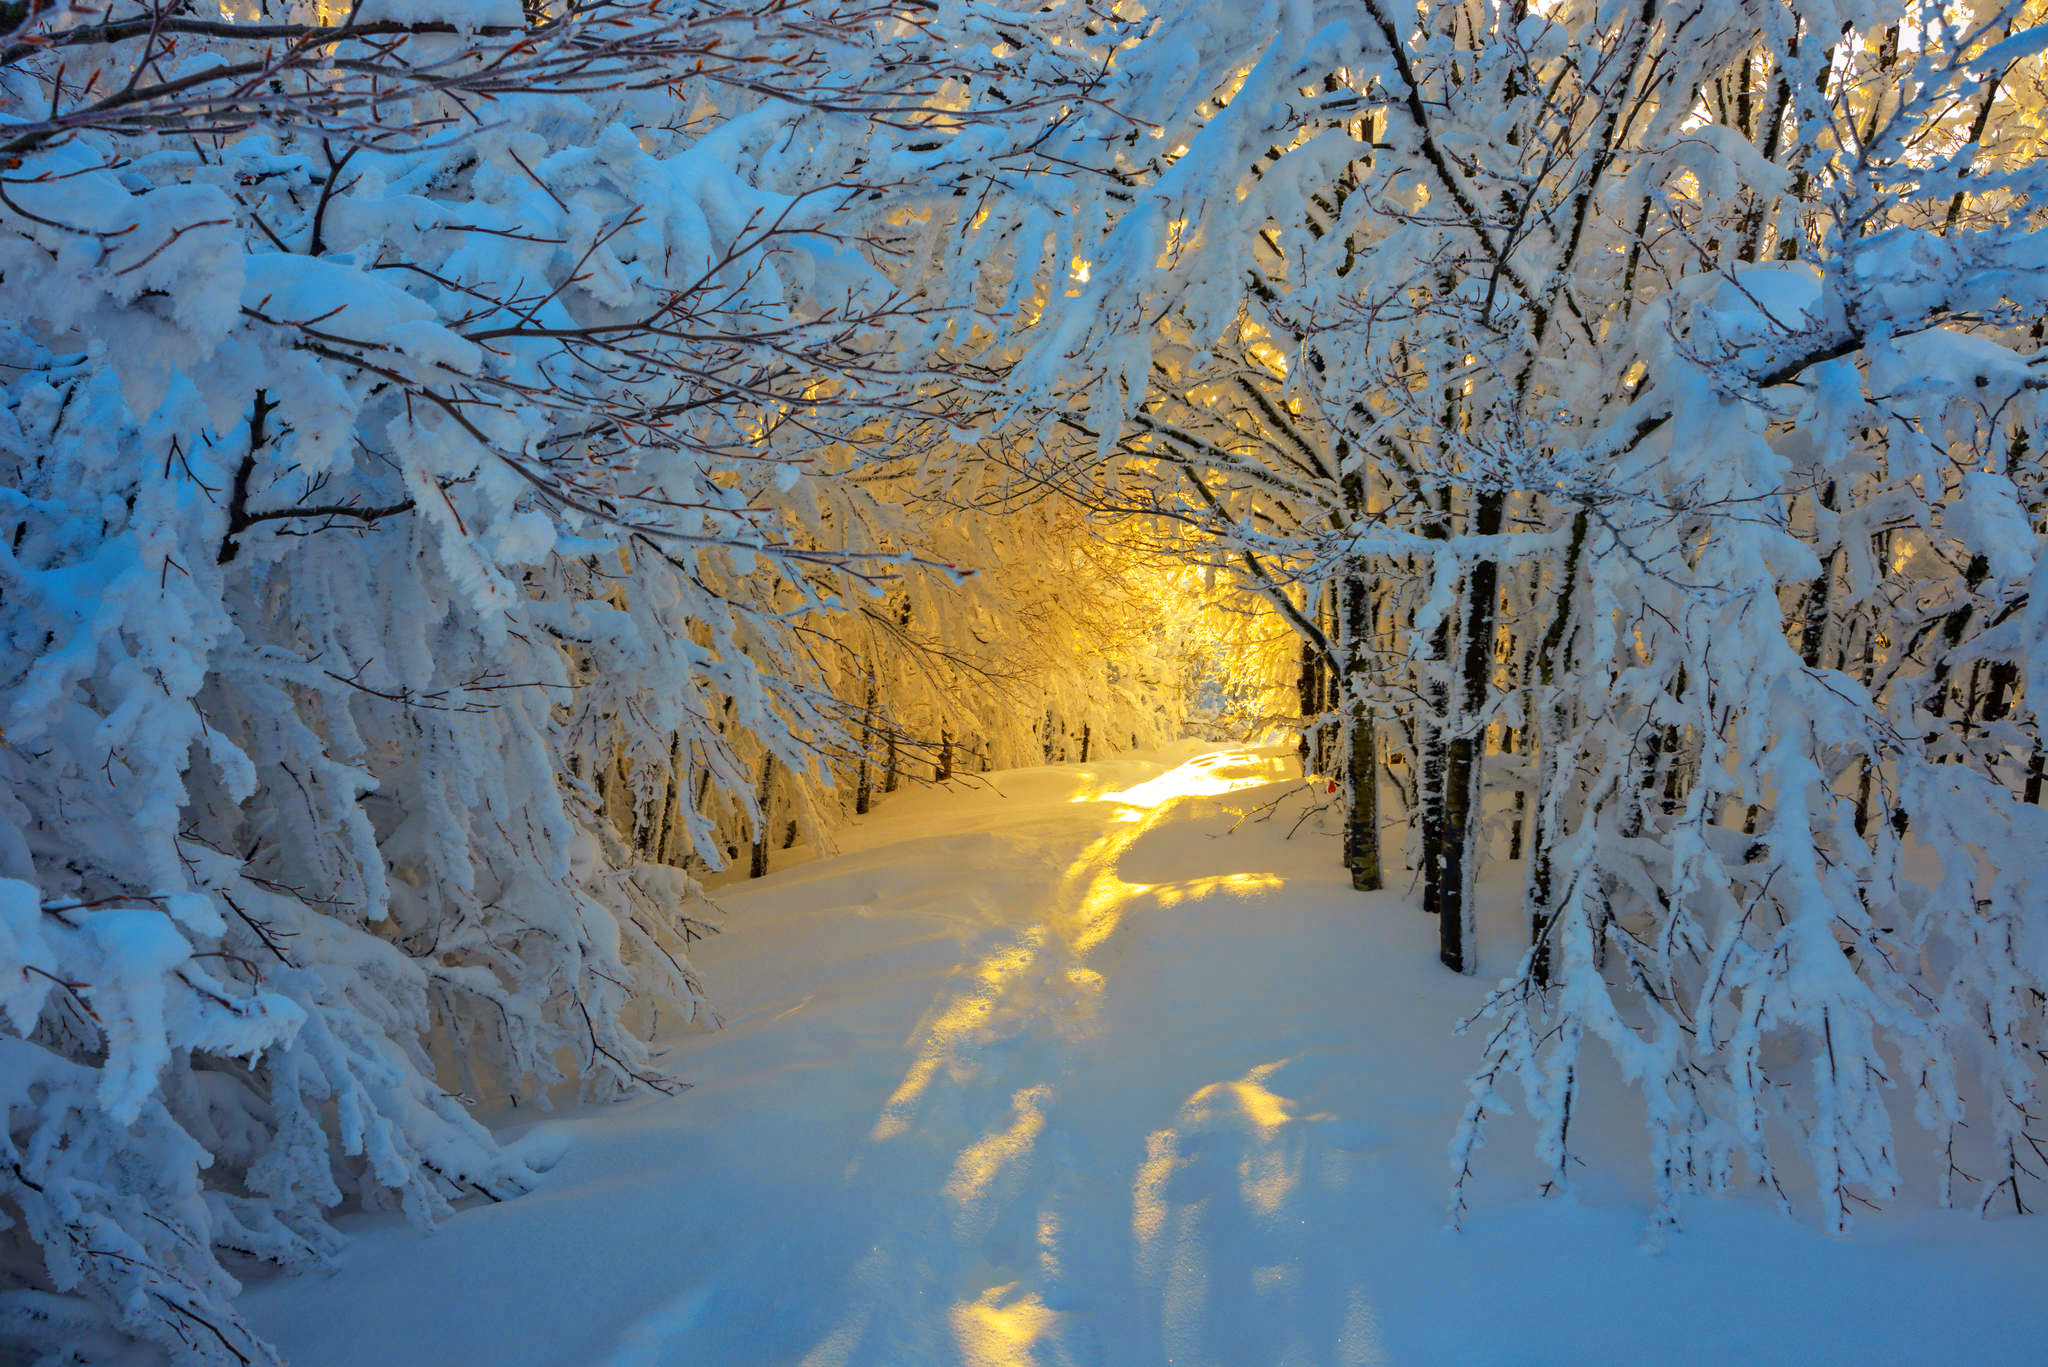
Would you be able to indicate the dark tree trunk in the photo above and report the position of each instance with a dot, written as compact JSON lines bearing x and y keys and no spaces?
{"x":1459,"y":774}
{"x":1457,"y":938}
{"x":1330,"y":689}
{"x":764,"y":799}
{"x":1308,"y":688}
{"x":1541,"y":890}
{"x":668,"y":826}
{"x":1520,"y":809}
{"x":1429,"y":797}
{"x":1813,"y":623}
{"x":1431,"y":756}
{"x":863,"y":787}
{"x":1361,"y":759}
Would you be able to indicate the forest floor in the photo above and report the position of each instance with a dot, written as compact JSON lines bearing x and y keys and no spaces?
{"x":1055,"y":1066}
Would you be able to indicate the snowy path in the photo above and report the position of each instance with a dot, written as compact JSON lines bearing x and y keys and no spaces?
{"x":1067,"y":1074}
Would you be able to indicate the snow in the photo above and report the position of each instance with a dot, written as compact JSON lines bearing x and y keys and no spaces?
{"x":1054,"y":1066}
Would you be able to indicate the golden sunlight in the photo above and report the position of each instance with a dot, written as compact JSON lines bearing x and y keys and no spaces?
{"x":993,"y":1333}
{"x":980,"y":1162}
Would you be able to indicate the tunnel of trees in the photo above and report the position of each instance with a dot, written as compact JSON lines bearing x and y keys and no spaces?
{"x":474,"y":472}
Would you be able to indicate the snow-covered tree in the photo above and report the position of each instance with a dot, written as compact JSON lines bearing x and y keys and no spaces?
{"x":1685,"y":363}
{"x":436,"y":436}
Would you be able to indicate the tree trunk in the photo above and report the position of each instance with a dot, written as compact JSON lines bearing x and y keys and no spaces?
{"x":1330,"y":690}
{"x":1361,"y":738}
{"x":670,"y":839}
{"x":764,"y":798}
{"x":1814,"y":613}
{"x":1460,"y":776}
{"x":1457,"y":934}
{"x":863,"y":787}
{"x":1550,"y":719}
{"x":1431,"y":756}
{"x":1308,"y":691}
{"x":1520,"y":809}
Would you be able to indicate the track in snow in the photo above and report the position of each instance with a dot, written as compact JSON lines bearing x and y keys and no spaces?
{"x":1054,"y":1067}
